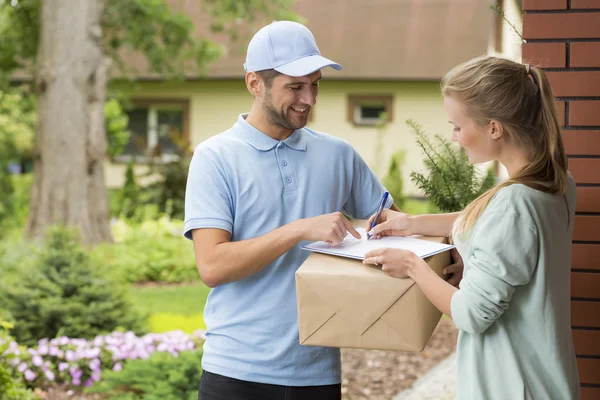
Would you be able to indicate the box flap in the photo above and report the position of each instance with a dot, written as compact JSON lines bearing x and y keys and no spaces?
{"x":362,"y":301}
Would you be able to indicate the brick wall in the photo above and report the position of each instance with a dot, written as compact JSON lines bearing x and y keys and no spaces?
{"x":563,"y":36}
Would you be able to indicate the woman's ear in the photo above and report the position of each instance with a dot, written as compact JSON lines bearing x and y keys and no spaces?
{"x":496,"y":130}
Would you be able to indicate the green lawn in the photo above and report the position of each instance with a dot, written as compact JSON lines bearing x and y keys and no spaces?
{"x":172,"y":306}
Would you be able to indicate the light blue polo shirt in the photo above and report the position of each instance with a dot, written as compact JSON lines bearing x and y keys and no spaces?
{"x":249,"y":184}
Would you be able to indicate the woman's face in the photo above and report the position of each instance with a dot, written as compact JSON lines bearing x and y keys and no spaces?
{"x":477,"y":140}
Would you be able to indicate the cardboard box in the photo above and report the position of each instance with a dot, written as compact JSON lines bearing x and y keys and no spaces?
{"x":345,"y":303}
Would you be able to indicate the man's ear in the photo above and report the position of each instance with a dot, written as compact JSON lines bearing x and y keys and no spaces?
{"x":496,"y":129}
{"x":253,"y":83}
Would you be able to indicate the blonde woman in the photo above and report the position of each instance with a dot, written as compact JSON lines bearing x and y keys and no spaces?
{"x":512,"y":308}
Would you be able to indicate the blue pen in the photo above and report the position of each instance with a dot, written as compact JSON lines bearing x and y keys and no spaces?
{"x":383,"y":200}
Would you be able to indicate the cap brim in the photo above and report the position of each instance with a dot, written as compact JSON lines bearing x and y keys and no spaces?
{"x":307,"y":65}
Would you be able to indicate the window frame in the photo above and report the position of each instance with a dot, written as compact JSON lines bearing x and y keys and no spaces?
{"x":357,"y":100}
{"x":156,"y":104}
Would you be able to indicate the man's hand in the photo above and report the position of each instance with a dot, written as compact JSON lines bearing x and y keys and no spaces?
{"x":331,"y":228}
{"x":455,"y":270}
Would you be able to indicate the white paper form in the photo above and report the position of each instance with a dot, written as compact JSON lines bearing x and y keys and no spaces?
{"x":357,"y":248}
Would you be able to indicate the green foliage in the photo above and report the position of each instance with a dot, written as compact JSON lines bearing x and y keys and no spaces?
{"x":452,"y":181}
{"x":169,"y":190}
{"x":17,"y":124}
{"x":129,"y":192}
{"x":15,"y":253}
{"x":6,"y":200}
{"x":63,"y":292}
{"x":162,"y":376}
{"x":419,"y":206}
{"x":11,"y":386}
{"x":152,"y":251}
{"x":226,"y":14}
{"x":164,"y":36}
{"x":394,"y":181}
{"x":14,"y":201}
{"x":116,"y":121}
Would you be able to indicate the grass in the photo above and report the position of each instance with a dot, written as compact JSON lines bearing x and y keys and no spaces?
{"x":172,"y":307}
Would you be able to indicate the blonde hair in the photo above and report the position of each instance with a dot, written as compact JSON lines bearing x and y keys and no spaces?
{"x":520,"y":99}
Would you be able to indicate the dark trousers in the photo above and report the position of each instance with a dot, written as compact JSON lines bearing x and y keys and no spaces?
{"x":219,"y":387}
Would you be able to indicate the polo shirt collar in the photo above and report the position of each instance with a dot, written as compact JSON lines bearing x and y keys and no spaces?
{"x":263,"y":142}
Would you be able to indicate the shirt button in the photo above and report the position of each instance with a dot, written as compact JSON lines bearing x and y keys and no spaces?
{"x":289,"y":180}
{"x":284,"y":163}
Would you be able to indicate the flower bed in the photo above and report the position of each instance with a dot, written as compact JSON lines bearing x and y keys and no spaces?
{"x":79,"y":362}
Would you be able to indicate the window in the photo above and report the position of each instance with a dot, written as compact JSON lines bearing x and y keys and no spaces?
{"x":368,"y":110}
{"x":155,"y":126}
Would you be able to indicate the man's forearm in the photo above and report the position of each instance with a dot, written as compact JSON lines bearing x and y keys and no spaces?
{"x":234,"y":261}
{"x":433,"y":224}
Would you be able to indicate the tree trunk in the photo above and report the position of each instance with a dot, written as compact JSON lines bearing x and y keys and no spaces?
{"x":71,"y":79}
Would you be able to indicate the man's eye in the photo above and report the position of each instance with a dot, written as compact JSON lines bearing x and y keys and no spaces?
{"x":456,"y":129}
{"x":295,"y":88}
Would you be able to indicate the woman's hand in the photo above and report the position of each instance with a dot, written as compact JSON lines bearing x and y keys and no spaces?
{"x":395,"y":262}
{"x":391,"y":223}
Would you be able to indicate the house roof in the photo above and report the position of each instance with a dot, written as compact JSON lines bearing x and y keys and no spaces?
{"x":372,"y":39}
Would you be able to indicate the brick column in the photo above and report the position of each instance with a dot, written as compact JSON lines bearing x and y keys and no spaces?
{"x":563,"y":36}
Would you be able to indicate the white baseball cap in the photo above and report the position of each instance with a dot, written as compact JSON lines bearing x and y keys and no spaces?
{"x":287,"y":47}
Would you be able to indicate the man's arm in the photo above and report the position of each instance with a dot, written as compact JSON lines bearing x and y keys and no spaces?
{"x":219,"y":260}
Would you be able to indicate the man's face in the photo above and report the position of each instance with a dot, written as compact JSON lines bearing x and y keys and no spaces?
{"x":289,"y":100}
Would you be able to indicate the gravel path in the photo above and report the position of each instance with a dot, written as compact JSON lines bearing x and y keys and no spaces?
{"x":381,"y":375}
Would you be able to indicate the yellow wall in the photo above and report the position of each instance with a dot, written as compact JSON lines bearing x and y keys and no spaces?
{"x":215,"y":105}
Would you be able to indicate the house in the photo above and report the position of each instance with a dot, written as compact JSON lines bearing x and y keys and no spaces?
{"x":394,"y":53}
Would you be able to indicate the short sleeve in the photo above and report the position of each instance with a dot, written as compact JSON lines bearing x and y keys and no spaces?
{"x":505,"y":256}
{"x":366,"y":192}
{"x":208,"y":199}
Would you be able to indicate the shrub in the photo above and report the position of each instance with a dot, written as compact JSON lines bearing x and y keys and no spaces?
{"x":63,"y":292}
{"x":452,"y":181}
{"x":152,"y":251}
{"x":11,"y":386}
{"x":169,"y":190}
{"x":129,"y":193}
{"x":394,"y":181}
{"x":163,"y":376}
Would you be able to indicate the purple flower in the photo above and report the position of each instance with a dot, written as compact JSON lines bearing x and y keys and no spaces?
{"x":95,"y":364}
{"x":89,"y":382}
{"x":29,"y":375}
{"x":37,"y":361}
{"x":22,"y":367}
{"x":54,"y":351}
{"x":75,"y":373}
{"x":118,"y":367}
{"x":62,"y":366}
{"x":49,"y":375}
{"x":70,"y":356}
{"x":96,"y":375}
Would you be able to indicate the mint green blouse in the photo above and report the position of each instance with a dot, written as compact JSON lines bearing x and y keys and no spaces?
{"x":513,"y":306}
